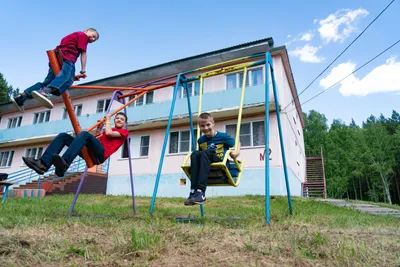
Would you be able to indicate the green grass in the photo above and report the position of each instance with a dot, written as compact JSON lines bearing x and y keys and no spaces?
{"x":104,"y":232}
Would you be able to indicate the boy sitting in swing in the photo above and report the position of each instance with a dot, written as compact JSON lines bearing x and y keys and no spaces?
{"x":212,"y":148}
{"x":111,"y":140}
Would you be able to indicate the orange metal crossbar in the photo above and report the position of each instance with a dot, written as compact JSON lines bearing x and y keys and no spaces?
{"x":117,"y":110}
{"x":137,"y":96}
{"x":148,"y":89}
{"x":68,"y":105}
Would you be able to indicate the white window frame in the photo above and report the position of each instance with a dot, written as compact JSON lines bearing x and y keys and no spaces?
{"x":14,"y":122}
{"x":182,"y":91}
{"x":77,"y":110}
{"x":143,"y":98}
{"x":250,"y":81}
{"x":141,"y":146}
{"x":104,"y":108}
{"x":46,"y":117}
{"x":8,"y":160}
{"x":251,"y":132}
{"x":38,"y":152}
{"x":136,"y":147}
{"x":179,"y":142}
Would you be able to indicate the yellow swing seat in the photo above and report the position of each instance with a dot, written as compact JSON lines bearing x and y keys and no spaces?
{"x":224,"y":173}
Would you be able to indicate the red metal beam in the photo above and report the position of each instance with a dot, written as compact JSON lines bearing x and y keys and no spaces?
{"x":68,"y":105}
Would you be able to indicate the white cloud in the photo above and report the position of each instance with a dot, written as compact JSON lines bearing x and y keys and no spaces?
{"x":307,"y":37}
{"x":300,"y":37}
{"x":307,"y":53}
{"x":337,"y":27}
{"x":383,"y":78}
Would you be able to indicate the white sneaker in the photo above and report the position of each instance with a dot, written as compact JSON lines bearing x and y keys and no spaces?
{"x":43,"y":98}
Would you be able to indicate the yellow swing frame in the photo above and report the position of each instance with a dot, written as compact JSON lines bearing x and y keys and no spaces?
{"x":220,"y":175}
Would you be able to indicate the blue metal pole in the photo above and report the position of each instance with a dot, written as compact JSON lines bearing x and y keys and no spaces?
{"x":266,"y":159}
{"x":192,"y":132}
{"x":278,"y":116}
{"x":190,"y":116}
{"x":171,"y":113}
{"x":5,"y":194}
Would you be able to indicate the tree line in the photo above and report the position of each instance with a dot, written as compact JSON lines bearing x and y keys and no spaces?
{"x":361,"y":162}
{"x":6,"y":90}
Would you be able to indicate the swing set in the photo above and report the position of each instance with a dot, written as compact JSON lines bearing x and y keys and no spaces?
{"x":225,"y":173}
{"x":228,"y":173}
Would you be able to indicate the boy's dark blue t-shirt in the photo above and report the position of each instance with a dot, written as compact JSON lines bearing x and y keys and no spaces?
{"x":220,"y":143}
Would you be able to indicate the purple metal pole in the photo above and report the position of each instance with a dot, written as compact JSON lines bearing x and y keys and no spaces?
{"x":71,"y":209}
{"x":122,"y":101}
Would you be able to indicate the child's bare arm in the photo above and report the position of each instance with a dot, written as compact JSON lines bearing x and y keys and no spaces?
{"x":235,"y":153}
{"x":109,"y":132}
{"x":83,"y":62}
{"x":97,"y":130}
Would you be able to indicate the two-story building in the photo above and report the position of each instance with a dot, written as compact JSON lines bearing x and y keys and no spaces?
{"x":29,"y":134}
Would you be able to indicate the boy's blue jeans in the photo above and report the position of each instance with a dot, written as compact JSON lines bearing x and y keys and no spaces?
{"x":200,"y":165}
{"x":75,"y":146}
{"x":61,"y":82}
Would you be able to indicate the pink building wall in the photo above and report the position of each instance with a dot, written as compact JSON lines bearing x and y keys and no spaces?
{"x":118,"y":166}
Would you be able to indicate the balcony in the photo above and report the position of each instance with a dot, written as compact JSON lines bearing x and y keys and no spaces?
{"x":225,"y":101}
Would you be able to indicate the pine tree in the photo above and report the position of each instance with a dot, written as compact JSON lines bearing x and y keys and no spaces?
{"x":6,"y":91}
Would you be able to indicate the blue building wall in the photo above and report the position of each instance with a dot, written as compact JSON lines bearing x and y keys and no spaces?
{"x":252,"y":182}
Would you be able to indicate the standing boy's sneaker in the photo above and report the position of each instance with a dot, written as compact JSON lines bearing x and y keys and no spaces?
{"x":199,"y":197}
{"x":189,"y":200}
{"x":18,"y":101}
{"x":43,"y":97}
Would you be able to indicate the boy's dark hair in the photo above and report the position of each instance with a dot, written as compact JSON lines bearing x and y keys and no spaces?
{"x":206,"y":116}
{"x":94,"y":30}
{"x":122,"y":114}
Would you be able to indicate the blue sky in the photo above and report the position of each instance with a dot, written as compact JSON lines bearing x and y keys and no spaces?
{"x":138,"y":34}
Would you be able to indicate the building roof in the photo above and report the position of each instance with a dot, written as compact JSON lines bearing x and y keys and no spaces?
{"x":193,"y":62}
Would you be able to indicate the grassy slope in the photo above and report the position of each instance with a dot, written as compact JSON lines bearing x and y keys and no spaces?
{"x":36,"y":232}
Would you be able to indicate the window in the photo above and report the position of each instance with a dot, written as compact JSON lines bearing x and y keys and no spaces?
{"x":6,"y":158}
{"x":193,"y":87}
{"x":77,"y":111}
{"x":180,"y":141}
{"x":294,"y":120}
{"x":102,"y":105}
{"x":41,"y":117}
{"x":14,"y":122}
{"x":139,"y":147}
{"x":251,"y":133}
{"x":34,"y":152}
{"x":144,"y":99}
{"x":144,"y":146}
{"x":254,"y":77}
{"x":124,"y":153}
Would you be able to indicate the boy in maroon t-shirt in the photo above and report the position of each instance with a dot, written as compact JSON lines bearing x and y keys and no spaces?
{"x":109,"y":142}
{"x":71,"y":46}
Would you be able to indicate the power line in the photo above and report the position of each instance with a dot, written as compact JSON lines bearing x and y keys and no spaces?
{"x":333,"y":85}
{"x":319,"y":75}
